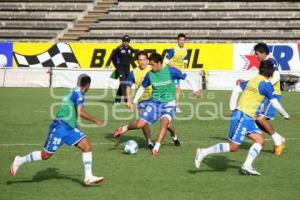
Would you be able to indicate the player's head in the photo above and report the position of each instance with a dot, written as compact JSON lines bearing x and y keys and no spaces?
{"x":84,"y":82}
{"x":266,"y":68}
{"x":155,"y":60}
{"x":142,"y":59}
{"x":126,"y":40}
{"x":261,"y":50}
{"x":181,"y":38}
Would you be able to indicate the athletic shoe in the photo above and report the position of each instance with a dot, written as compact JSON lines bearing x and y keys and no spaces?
{"x":93,"y":179}
{"x":199,"y":157}
{"x":249,"y":171}
{"x":277,"y":150}
{"x":15,"y":166}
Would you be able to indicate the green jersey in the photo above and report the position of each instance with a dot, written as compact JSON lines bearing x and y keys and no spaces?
{"x":163,"y":83}
{"x":68,"y":108}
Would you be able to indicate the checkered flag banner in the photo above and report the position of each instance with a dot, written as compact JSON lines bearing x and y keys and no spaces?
{"x":59,"y":55}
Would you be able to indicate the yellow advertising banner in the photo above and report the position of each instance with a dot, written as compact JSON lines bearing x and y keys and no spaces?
{"x":99,"y":55}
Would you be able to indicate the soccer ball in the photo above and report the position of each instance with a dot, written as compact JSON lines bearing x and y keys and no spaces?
{"x":131,"y":147}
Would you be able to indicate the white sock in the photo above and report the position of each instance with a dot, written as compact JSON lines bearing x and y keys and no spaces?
{"x":157,"y":146}
{"x":175,"y":137}
{"x":87,"y":162}
{"x":277,"y":139}
{"x":252,"y":154}
{"x":217,"y":148}
{"x":34,"y":156}
{"x":124,"y":128}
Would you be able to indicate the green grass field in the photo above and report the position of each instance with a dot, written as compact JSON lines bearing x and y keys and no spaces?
{"x":24,"y":120}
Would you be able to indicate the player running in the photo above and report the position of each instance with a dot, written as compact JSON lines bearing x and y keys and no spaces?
{"x":267,"y":110}
{"x":162,"y":104}
{"x":63,"y":130}
{"x":136,"y":76}
{"x":178,"y":57}
{"x":243,"y":117}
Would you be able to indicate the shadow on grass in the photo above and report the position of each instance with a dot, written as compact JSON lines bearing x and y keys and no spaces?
{"x":217,"y":163}
{"x":45,"y":175}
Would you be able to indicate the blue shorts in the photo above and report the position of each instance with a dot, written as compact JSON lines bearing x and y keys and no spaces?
{"x":241,"y":125}
{"x":266,"y":109}
{"x":157,"y":110}
{"x":177,"y":82}
{"x":60,"y":133}
{"x":142,"y":105}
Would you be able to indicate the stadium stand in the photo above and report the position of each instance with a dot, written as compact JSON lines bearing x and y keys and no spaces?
{"x":150,"y":21}
{"x":207,"y":21}
{"x":40,"y":20}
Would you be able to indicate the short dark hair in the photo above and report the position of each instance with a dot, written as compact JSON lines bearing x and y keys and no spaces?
{"x":83,"y":80}
{"x":262,"y":48}
{"x":181,"y":35}
{"x":155,"y":57}
{"x":141,"y":53}
{"x":266,"y":68}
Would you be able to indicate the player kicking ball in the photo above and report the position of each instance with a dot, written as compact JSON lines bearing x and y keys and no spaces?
{"x":162,"y":104}
{"x":63,"y":130}
{"x":136,"y":76}
{"x":243,"y":117}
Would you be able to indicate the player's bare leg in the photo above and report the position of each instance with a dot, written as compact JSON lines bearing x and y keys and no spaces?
{"x":178,"y":91}
{"x":165,"y":121}
{"x":147,"y":134}
{"x":171,"y":129}
{"x":85,"y":146}
{"x":138,"y":124}
{"x":266,"y":126}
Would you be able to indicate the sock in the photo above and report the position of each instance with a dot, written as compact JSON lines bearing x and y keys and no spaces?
{"x":34,"y":156}
{"x":277,"y":139}
{"x":157,"y":146}
{"x":150,"y":142}
{"x":252,"y":154}
{"x":87,"y":162}
{"x":217,"y":148}
{"x":124,"y":128}
{"x":175,"y":138}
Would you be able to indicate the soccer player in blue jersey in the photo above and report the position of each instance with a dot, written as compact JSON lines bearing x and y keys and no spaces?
{"x":268,"y":112}
{"x":64,"y":130}
{"x":243,"y":117}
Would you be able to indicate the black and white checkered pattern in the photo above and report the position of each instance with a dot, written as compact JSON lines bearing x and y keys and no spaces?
{"x":59,"y":55}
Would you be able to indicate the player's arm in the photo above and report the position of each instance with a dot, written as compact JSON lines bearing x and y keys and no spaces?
{"x":79,"y":102}
{"x":82,"y":113}
{"x":130,"y":82}
{"x":275,"y":78}
{"x":140,"y":91}
{"x":186,"y":60}
{"x":169,"y":56}
{"x":115,"y":57}
{"x":178,"y":74}
{"x":266,"y":89}
{"x":235,"y":95}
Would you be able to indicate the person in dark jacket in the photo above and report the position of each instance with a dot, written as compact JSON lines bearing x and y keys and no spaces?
{"x":122,"y":58}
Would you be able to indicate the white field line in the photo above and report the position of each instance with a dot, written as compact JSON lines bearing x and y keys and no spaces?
{"x":112,"y":143}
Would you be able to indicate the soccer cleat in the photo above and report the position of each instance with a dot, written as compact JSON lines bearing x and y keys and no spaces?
{"x":177,"y":142}
{"x":277,"y":150}
{"x":199,"y":157}
{"x":249,"y":171}
{"x":93,"y":179}
{"x":15,"y":166}
{"x":150,"y":146}
{"x":154,"y":152}
{"x":118,"y":133}
{"x":178,"y":110}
